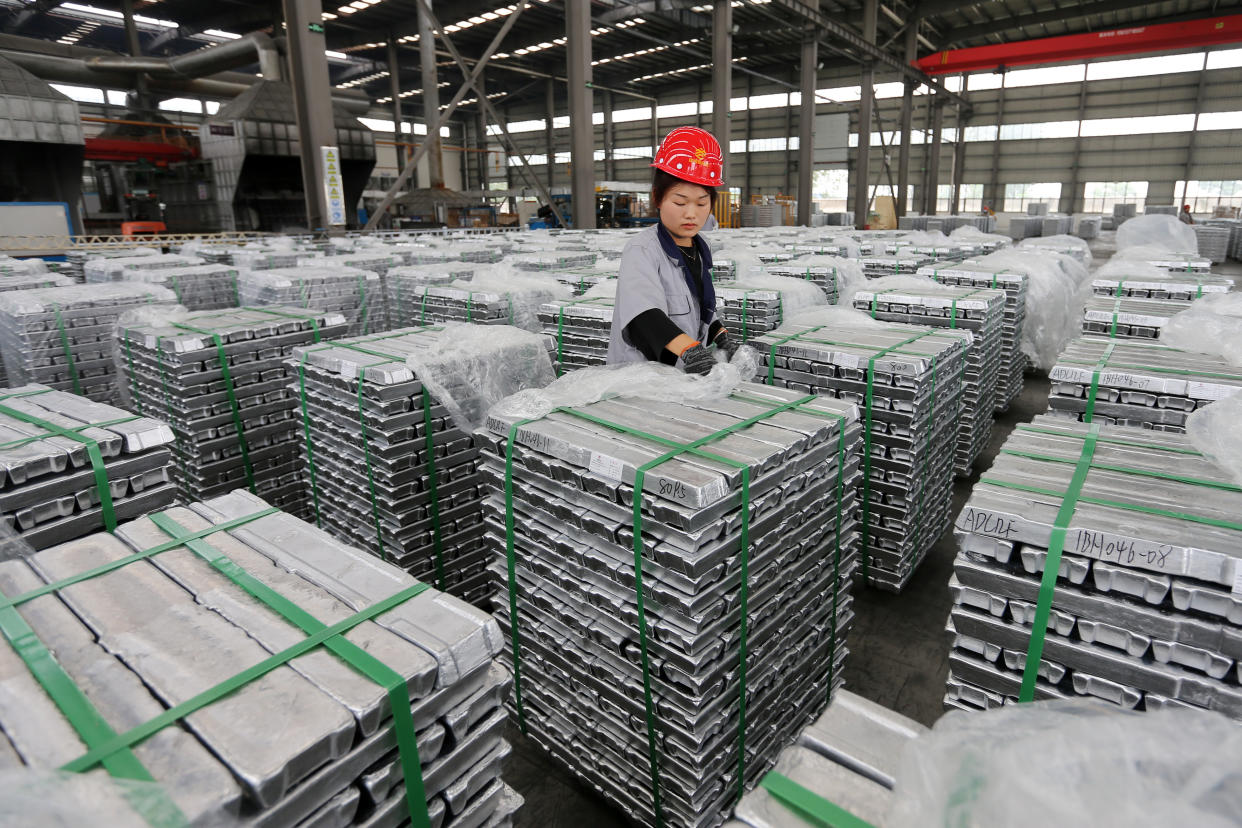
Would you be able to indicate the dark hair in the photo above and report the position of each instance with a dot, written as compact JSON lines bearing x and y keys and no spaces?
{"x":663,"y":182}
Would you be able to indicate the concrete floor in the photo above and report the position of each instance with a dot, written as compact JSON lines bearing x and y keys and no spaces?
{"x":898,"y":650}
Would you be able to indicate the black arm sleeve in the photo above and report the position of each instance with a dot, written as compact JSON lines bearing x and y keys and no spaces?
{"x":650,"y":331}
{"x":713,"y":330}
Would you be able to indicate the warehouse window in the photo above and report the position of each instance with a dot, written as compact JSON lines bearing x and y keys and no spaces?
{"x":1100,"y":196}
{"x":1018,"y":196}
{"x":891,"y":192}
{"x":1045,"y":75}
{"x":970,"y":199}
{"x":1220,"y":120}
{"x":182,"y":105}
{"x":82,"y":94}
{"x":1206,"y":196}
{"x":831,"y":189}
{"x":1047,"y":129}
{"x":1138,"y":67}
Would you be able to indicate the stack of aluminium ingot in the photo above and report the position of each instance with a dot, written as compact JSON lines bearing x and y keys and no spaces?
{"x":197,"y":287}
{"x":406,"y":288}
{"x":909,"y":382}
{"x":24,"y":279}
{"x":357,"y":294}
{"x":488,"y":305}
{"x":557,"y":260}
{"x":828,"y":278}
{"x":1013,"y":360}
{"x":98,"y":270}
{"x":1181,"y":263}
{"x":63,"y":337}
{"x":978,"y":310}
{"x":1185,"y":287}
{"x":389,"y":469}
{"x":583,"y":279}
{"x":590,"y":631}
{"x":1130,"y":541}
{"x":248,"y":258}
{"x":76,"y":259}
{"x":748,"y":312}
{"x":1125,"y":318}
{"x":397,"y":717}
{"x":876,"y":266}
{"x":850,"y":756}
{"x":70,"y":467}
{"x":219,"y":378}
{"x":581,"y":328}
{"x":1136,"y":383}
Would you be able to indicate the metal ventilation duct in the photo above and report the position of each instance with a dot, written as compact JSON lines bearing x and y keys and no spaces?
{"x":256,"y":154}
{"x":41,"y":141}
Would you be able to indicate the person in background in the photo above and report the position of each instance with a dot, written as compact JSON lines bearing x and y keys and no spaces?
{"x":1185,"y":216}
{"x":665,"y":308}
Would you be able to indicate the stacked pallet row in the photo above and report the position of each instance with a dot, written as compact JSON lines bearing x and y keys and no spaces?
{"x":850,"y":756}
{"x":63,"y":337}
{"x":1131,"y":383}
{"x":356,"y":294}
{"x":577,"y":608}
{"x":747,"y":311}
{"x":1143,"y":608}
{"x":367,"y":261}
{"x":219,"y":379}
{"x":1015,"y":285}
{"x":70,"y":467}
{"x":1180,"y":286}
{"x":909,"y":382}
{"x":389,"y":469}
{"x":1213,"y":242}
{"x":406,"y":288}
{"x":559,"y":260}
{"x":582,"y":280}
{"x":154,"y":633}
{"x":97,"y":270}
{"x":829,"y":278}
{"x":978,"y":310}
{"x":1125,"y":318}
{"x":581,"y":329}
{"x":23,"y":278}
{"x":496,"y":300}
{"x":197,"y":287}
{"x":876,"y":266}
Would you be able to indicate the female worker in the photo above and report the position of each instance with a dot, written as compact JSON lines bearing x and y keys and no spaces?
{"x":666,"y":307}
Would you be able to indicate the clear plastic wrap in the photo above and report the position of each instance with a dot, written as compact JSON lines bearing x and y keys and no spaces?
{"x":32,"y":267}
{"x":1210,"y":325}
{"x":1119,"y":267}
{"x":358,"y":294}
{"x":113,"y":269}
{"x":1216,"y":430}
{"x":198,"y":287}
{"x":643,"y":380}
{"x":1072,"y":763}
{"x":55,"y":799}
{"x":837,"y":277}
{"x":469,"y":368}
{"x":1082,"y":251}
{"x":498,"y":296}
{"x":62,"y":336}
{"x":831,"y":316}
{"x":1165,"y":232}
{"x":758,"y":302}
{"x":973,"y":235}
{"x":1057,"y":290}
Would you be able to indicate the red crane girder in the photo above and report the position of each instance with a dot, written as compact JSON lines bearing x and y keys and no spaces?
{"x":1132,"y":40}
{"x":124,"y":149}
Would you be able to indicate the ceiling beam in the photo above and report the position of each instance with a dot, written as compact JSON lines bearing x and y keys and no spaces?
{"x":961,"y":34}
{"x":20,"y":17}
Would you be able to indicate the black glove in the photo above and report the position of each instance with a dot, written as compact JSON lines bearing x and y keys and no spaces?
{"x":697,"y":360}
{"x":726,"y":343}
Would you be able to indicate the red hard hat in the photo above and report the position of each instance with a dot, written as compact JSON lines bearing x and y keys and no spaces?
{"x":691,"y":154}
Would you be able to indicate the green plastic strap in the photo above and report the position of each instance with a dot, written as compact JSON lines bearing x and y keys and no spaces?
{"x":153,"y":804}
{"x":176,"y":288}
{"x":227,"y":376}
{"x":231,"y":685}
{"x":1052,"y":566}
{"x":1174,"y":478}
{"x":362,"y":302}
{"x":366,"y":454}
{"x":745,"y":327}
{"x":1126,"y":442}
{"x":357,"y":658}
{"x":469,"y":306}
{"x":1118,"y":292}
{"x":560,"y":339}
{"x":1095,"y":382}
{"x":64,"y":344}
{"x":310,"y":448}
{"x":102,"y":487}
{"x":25,"y":441}
{"x":509,"y":296}
{"x":1112,"y":331}
{"x":422,"y":316}
{"x":236,"y":290}
{"x":927,"y":426}
{"x":133,"y":393}
{"x":511,"y":560}
{"x":808,"y":805}
{"x":869,"y":401}
{"x":103,"y":569}
{"x":433,"y":488}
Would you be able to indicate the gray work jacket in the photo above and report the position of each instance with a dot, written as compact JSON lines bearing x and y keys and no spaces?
{"x":653,"y":277}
